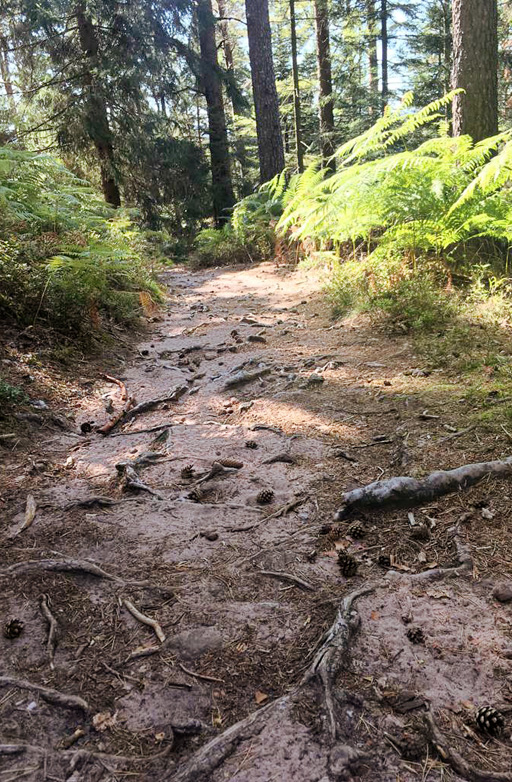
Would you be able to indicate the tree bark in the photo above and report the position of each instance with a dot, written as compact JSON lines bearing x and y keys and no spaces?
{"x":326,"y":101}
{"x":296,"y":91}
{"x":266,"y":104}
{"x":475,"y":67}
{"x":384,"y":56}
{"x":98,"y":126}
{"x":222,"y":187}
{"x":6,"y":73}
{"x":373,"y":61}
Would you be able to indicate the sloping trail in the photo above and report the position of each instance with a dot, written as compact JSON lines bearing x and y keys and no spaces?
{"x":243,"y":592}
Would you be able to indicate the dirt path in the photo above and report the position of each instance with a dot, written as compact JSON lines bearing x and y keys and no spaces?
{"x":243,"y":591}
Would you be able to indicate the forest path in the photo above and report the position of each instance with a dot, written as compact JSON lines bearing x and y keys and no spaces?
{"x":250,"y":587}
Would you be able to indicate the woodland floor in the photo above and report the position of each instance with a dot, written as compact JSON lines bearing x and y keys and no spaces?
{"x":238,"y":639}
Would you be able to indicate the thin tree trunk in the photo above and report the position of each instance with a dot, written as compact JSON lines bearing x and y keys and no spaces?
{"x":373,"y":61}
{"x":266,"y":104}
{"x":296,"y":90}
{"x":475,"y":67}
{"x":6,"y":73}
{"x":326,"y":101}
{"x":222,"y":187}
{"x":98,"y":126}
{"x":447,"y":46}
{"x":384,"y":55}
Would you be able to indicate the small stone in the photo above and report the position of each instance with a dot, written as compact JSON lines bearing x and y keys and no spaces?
{"x":315,"y":380}
{"x":209,"y":534}
{"x":503,"y":592}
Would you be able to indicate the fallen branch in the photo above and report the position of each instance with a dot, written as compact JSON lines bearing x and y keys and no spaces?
{"x":327,"y":663}
{"x":144,"y":407}
{"x":117,"y":418}
{"x":124,"y":393}
{"x":280,"y":457}
{"x":285,"y":509}
{"x":52,"y":696}
{"x":454,"y":435}
{"x":288,"y":577}
{"x":407,"y":492}
{"x":146,"y":620}
{"x":216,"y":469}
{"x":53,"y":628}
{"x":90,"y":502}
{"x":143,"y":431}
{"x":456,"y":761}
{"x":30,"y":513}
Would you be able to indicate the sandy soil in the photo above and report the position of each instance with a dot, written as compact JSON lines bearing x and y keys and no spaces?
{"x":244,"y":592}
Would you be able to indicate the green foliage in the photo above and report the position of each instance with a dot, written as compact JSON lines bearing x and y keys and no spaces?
{"x":65,"y":258}
{"x":10,"y":396}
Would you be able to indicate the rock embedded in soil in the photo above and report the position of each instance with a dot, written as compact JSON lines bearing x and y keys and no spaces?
{"x":503,"y":592}
{"x":191,"y":644}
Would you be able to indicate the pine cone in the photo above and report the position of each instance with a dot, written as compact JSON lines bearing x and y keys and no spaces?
{"x":325,"y":529}
{"x":13,"y":628}
{"x":384,"y":560}
{"x":251,"y":444}
{"x":357,"y":530}
{"x":416,"y":635}
{"x":197,"y":494}
{"x":265,"y":497}
{"x":490,"y":720}
{"x":420,"y":532}
{"x":188,"y":471}
{"x":233,"y":463}
{"x":348,"y":564}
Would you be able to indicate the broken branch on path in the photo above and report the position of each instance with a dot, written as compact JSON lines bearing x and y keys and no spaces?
{"x":216,"y":469}
{"x":243,"y":377}
{"x":143,"y":407}
{"x":142,"y":431}
{"x":407,"y":491}
{"x":146,"y":620}
{"x":107,"y":428}
{"x":124,"y":393}
{"x":52,"y":696}
{"x":202,"y":676}
{"x":288,"y":577}
{"x":53,"y":628}
{"x":30,"y":514}
{"x":456,"y":761}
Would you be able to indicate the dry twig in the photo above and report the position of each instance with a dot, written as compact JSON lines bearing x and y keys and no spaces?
{"x":52,"y":696}
{"x":53,"y":628}
{"x":288,"y":577}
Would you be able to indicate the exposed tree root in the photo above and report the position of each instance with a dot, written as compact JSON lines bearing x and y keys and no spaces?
{"x":146,"y":620}
{"x":407,"y":492}
{"x":143,"y":407}
{"x":326,"y":665}
{"x":117,"y":418}
{"x":52,"y":629}
{"x":124,"y":393}
{"x":77,"y":566}
{"x":288,"y":577}
{"x":132,"y":481}
{"x":457,"y":762}
{"x":52,"y":696}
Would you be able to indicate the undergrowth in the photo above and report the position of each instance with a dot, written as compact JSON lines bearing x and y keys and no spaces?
{"x":66,"y":259}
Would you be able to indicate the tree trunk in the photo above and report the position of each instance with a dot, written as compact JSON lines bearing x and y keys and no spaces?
{"x":296,"y":91}
{"x":6,"y":73}
{"x":373,"y":62}
{"x":384,"y":56}
{"x":266,"y":104}
{"x":98,"y":126}
{"x":326,"y":102}
{"x":222,"y":187}
{"x":475,"y":67}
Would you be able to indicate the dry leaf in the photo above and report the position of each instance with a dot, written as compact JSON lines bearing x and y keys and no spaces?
{"x":422,"y":557}
{"x":437,"y":595}
{"x":103,"y":720}
{"x":159,"y":736}
{"x":30,"y":512}
{"x":260,"y":697}
{"x":374,"y":615}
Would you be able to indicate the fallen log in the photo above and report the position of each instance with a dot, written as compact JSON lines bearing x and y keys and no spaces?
{"x":406,"y":492}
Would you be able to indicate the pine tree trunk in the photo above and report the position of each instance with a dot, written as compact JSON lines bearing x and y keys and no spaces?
{"x":6,"y":73}
{"x":266,"y":104}
{"x":326,"y":101}
{"x":373,"y":62}
{"x":384,"y":56}
{"x":222,"y":187}
{"x":296,"y":90}
{"x":98,"y":126}
{"x":475,"y":67}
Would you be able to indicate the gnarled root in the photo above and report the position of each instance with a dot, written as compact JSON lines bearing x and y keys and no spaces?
{"x":406,"y":492}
